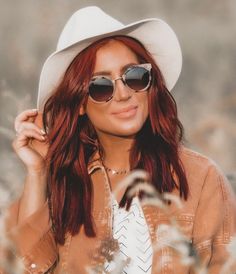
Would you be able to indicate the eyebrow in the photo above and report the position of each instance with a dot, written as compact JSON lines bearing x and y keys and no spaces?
{"x":106,"y":72}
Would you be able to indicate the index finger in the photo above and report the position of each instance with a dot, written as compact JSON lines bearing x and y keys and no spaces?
{"x":24,"y":116}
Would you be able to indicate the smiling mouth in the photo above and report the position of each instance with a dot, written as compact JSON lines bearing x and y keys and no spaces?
{"x":126,"y":112}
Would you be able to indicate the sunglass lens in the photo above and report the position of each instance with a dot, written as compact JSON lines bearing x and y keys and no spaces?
{"x":101,"y":89}
{"x":137,"y":78}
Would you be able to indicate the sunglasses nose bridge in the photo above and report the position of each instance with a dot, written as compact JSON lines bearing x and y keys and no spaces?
{"x":122,"y":78}
{"x":120,"y":91}
{"x":118,"y":78}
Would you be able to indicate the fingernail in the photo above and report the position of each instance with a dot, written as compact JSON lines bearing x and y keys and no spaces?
{"x":34,"y":109}
{"x":42,"y":132}
{"x":43,"y":137}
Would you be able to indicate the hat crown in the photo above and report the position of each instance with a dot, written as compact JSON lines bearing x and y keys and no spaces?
{"x":86,"y":23}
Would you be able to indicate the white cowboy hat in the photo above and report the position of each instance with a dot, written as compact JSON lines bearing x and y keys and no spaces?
{"x":90,"y":24}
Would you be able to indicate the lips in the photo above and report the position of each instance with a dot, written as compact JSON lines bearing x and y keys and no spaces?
{"x":127,"y":112}
{"x":123,"y":110}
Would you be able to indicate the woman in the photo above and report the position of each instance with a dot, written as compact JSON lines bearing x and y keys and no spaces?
{"x":104,"y":109}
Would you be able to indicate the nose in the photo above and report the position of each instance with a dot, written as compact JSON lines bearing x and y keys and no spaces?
{"x":122,"y":92}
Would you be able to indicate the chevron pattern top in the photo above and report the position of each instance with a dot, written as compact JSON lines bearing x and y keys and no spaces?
{"x":131,"y":231}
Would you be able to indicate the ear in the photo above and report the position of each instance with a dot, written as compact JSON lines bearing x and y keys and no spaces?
{"x":82,"y":110}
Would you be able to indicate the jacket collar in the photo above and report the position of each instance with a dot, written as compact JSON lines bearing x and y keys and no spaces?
{"x":95,"y":162}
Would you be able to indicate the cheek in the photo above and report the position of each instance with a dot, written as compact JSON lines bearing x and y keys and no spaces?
{"x":95,"y":113}
{"x":142,"y":99}
{"x":145,"y":106}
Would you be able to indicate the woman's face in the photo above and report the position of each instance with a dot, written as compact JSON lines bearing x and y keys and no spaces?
{"x":125,"y":114}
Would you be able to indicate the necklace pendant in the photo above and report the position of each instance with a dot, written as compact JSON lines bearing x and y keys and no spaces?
{"x":115,"y":172}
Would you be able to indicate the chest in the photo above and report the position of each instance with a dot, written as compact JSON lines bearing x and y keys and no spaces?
{"x":81,"y":252}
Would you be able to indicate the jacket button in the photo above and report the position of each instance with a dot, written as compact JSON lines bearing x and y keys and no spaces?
{"x":33,"y":265}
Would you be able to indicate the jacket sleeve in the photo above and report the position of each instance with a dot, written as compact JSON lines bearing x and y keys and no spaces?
{"x":215,"y":223}
{"x":33,"y":239}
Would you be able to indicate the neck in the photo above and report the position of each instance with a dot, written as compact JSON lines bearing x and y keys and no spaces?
{"x":116,"y":151}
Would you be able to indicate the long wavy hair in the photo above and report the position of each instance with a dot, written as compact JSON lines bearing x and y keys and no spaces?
{"x":72,"y":141}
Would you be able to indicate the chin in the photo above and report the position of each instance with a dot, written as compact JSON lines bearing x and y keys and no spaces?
{"x":128,"y":131}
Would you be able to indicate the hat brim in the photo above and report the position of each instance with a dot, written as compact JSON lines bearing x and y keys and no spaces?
{"x":156,"y":35}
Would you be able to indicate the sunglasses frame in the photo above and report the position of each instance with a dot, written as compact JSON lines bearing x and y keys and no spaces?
{"x":147,"y":66}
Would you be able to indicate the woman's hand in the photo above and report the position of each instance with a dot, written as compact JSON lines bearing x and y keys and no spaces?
{"x":27,"y":131}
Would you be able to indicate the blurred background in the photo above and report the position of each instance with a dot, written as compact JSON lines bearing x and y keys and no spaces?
{"x":205,"y":92}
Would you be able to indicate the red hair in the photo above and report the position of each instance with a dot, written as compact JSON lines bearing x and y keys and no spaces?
{"x":72,"y":140}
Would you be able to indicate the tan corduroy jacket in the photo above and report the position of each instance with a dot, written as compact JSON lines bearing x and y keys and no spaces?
{"x":207,"y":218}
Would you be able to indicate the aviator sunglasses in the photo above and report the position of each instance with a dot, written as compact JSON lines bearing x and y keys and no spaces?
{"x":136,"y":77}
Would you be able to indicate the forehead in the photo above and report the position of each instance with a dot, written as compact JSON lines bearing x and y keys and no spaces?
{"x":114,"y":55}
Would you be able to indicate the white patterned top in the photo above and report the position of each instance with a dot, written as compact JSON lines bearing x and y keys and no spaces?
{"x":131,"y":231}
